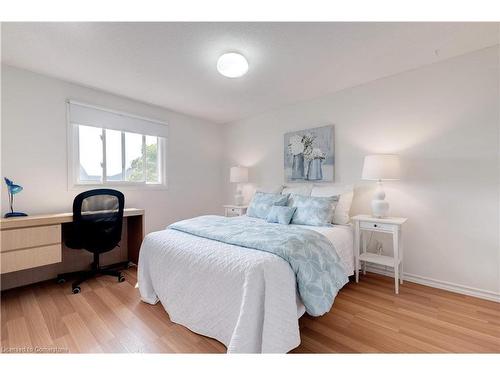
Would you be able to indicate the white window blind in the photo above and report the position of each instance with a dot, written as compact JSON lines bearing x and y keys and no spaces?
{"x":84,"y":114}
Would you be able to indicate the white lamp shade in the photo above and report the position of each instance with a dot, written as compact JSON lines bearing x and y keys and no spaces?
{"x":381,"y":167}
{"x":238,"y":174}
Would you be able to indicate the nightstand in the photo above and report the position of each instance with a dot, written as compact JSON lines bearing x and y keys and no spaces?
{"x":233,"y":210}
{"x":391,"y":225}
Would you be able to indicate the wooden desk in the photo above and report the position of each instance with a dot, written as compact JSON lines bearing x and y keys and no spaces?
{"x":37,"y":242}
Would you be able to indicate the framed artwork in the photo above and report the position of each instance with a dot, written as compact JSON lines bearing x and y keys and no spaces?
{"x":309,"y":155}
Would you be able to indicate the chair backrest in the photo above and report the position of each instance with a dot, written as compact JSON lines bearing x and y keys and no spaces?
{"x":97,"y":220}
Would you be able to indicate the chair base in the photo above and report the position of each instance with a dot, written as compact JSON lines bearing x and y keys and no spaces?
{"x":96,"y":270}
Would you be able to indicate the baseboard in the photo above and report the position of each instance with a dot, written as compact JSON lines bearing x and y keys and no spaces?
{"x":452,"y":287}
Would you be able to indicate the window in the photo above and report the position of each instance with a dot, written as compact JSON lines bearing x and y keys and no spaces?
{"x":127,"y":157}
{"x":110,"y":148}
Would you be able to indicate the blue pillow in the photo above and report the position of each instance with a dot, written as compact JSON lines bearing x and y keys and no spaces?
{"x":317,"y":211}
{"x":280,"y":214}
{"x":262,"y":202}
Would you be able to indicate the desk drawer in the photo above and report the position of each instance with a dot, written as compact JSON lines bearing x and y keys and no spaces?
{"x":16,"y":260}
{"x":376,"y":226}
{"x":13,"y":239}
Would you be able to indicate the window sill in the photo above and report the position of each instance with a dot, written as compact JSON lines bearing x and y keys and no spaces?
{"x":118,"y":186}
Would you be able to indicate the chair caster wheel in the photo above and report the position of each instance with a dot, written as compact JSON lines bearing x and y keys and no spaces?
{"x":61,"y":281}
{"x":76,"y":290}
{"x":121,"y":279}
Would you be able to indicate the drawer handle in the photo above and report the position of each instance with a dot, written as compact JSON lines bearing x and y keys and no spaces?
{"x":375,"y":225}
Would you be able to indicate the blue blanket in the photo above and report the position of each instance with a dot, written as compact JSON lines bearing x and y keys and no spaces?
{"x":310,"y":254}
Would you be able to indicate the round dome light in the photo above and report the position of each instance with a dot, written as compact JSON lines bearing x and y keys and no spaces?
{"x":232,"y":65}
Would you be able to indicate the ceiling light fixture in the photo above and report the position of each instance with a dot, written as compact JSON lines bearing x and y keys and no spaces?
{"x":232,"y":65}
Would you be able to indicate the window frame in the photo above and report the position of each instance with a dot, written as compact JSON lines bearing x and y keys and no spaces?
{"x":73,"y":143}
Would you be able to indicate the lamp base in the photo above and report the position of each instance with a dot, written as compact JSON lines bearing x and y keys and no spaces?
{"x":238,"y":199}
{"x":380,"y":206}
{"x":15,"y":214}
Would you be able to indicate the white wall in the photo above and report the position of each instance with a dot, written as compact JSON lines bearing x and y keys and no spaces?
{"x":34,"y":151}
{"x":443,"y":119}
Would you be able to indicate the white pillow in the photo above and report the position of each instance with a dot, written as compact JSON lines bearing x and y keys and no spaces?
{"x":346,"y":192}
{"x":302,"y":189}
{"x":274,"y":189}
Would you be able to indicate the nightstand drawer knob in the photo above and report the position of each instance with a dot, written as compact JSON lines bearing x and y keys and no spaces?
{"x":377,"y":226}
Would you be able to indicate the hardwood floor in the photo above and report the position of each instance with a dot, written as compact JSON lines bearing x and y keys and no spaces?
{"x":367,"y":317}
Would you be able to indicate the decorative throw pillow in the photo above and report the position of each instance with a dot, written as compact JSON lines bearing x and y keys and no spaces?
{"x":316,"y":211}
{"x":262,"y":202}
{"x":280,"y":214}
{"x":342,"y":209}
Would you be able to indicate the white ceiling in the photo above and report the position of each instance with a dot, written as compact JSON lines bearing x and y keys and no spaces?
{"x":173,"y":65}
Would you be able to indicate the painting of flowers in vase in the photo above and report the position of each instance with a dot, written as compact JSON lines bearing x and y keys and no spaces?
{"x":309,"y":155}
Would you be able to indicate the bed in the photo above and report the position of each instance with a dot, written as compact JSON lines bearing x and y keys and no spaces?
{"x":244,"y":298}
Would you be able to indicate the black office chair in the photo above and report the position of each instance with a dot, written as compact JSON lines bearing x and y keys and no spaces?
{"x":96,"y":227}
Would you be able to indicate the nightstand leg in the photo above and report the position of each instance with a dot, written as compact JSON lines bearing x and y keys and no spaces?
{"x":395,"y":241}
{"x":356,"y":249}
{"x":401,"y":252}
{"x":396,"y":279}
{"x":363,"y":242}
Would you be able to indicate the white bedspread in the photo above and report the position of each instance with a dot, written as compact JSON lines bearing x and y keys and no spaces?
{"x":242,"y":297}
{"x":341,"y":238}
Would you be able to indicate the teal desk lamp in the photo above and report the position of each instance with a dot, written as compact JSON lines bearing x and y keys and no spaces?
{"x":13,"y":189}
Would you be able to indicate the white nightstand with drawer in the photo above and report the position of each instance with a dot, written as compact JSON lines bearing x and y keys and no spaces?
{"x":391,"y":225}
{"x":231,"y":210}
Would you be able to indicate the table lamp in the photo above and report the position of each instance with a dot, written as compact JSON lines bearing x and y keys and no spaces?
{"x":238,"y":175}
{"x":13,"y":189}
{"x":380,"y":168}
